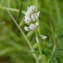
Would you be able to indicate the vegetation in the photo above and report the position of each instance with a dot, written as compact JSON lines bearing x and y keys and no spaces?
{"x":44,"y":45}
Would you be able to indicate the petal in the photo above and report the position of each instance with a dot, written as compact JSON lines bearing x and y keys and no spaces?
{"x":26,"y":28}
{"x":32,"y":26}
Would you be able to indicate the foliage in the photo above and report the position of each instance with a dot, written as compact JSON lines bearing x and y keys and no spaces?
{"x":19,"y":46}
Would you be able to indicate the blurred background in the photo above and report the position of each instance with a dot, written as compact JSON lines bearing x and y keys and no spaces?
{"x":13,"y":46}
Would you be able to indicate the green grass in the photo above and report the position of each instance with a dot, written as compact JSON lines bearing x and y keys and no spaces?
{"x":19,"y":46}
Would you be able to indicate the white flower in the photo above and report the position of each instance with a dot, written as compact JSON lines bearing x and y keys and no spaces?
{"x":27,"y":19}
{"x":26,"y":28}
{"x":44,"y":37}
{"x":31,"y":9}
{"x":31,"y":15}
{"x":35,"y":16}
{"x":32,"y":26}
{"x":27,"y":13}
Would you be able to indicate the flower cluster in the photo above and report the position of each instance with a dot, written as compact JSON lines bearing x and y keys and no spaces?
{"x":31,"y":18}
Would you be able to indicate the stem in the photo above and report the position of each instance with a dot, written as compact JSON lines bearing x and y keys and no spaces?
{"x":28,"y":42}
{"x":9,"y":9}
{"x":38,"y":42}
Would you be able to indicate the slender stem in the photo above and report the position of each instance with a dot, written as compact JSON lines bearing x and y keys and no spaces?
{"x":28,"y":42}
{"x":9,"y":9}
{"x":38,"y":44}
{"x":20,"y":30}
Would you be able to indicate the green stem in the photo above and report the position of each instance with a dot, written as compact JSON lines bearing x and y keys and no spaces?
{"x":28,"y":42}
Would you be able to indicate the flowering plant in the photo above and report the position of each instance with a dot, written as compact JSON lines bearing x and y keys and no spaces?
{"x":31,"y":31}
